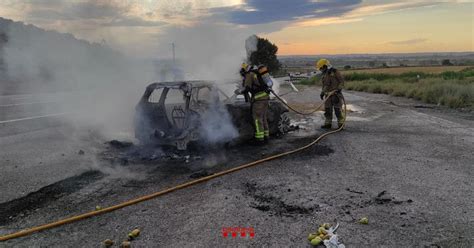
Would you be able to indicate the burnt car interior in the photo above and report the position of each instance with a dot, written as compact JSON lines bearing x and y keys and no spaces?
{"x":170,"y":113}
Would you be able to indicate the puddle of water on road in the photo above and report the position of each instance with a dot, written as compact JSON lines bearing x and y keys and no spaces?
{"x":357,"y":118}
{"x":355,"y":109}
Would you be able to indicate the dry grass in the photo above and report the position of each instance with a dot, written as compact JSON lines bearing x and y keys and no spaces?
{"x":400,"y":70}
{"x":452,"y":86}
{"x":453,"y":93}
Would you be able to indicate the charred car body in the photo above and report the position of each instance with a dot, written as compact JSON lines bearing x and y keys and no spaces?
{"x":178,"y":113}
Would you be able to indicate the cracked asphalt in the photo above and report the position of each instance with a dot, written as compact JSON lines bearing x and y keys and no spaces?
{"x":405,"y":165}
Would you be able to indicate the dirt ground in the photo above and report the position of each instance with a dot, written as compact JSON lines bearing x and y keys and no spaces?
{"x":405,"y":165}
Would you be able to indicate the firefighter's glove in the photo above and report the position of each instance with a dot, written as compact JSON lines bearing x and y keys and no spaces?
{"x":322,"y":95}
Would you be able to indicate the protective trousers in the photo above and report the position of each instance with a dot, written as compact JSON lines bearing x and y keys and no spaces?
{"x":334,"y":101}
{"x":259,"y":114}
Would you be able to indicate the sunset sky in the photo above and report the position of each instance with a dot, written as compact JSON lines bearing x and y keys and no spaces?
{"x":296,"y":26}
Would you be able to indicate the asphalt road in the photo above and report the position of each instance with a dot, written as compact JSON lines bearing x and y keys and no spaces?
{"x":36,"y":146}
{"x":405,"y":165}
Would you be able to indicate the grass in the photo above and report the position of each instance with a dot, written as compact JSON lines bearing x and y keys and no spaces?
{"x":454,"y":89}
{"x":309,"y":81}
{"x":409,"y":75}
{"x":400,"y":70}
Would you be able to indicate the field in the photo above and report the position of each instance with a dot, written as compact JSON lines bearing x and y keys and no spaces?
{"x":451,"y":86}
{"x":399,"y":70}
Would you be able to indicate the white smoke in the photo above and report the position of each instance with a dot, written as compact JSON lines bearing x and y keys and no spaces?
{"x":102,"y":84}
{"x":217,"y":126}
{"x":251,"y":45}
{"x":206,"y":50}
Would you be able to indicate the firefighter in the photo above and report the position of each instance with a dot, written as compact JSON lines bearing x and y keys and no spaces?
{"x":331,"y":80}
{"x":259,"y":101}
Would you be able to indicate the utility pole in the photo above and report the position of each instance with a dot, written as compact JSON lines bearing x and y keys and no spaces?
{"x":174,"y":55}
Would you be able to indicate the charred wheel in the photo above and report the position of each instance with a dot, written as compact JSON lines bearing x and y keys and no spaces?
{"x":283,"y":123}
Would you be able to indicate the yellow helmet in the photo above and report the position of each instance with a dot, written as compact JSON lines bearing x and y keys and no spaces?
{"x":321,"y":63}
{"x":245,"y":66}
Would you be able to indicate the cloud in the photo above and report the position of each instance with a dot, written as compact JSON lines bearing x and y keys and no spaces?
{"x":133,"y":22}
{"x":99,"y":13}
{"x":327,"y":21}
{"x":96,"y":9}
{"x":408,"y":42}
{"x":57,"y":10}
{"x":267,"y":11}
{"x":371,"y":7}
{"x":48,"y":14}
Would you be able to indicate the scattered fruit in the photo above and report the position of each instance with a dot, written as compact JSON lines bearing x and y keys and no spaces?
{"x":364,"y":221}
{"x":133,"y":234}
{"x":108,"y":242}
{"x":316,"y":241}
{"x":125,"y":244}
{"x":311,"y":236}
{"x":326,"y":225}
{"x":324,"y":232}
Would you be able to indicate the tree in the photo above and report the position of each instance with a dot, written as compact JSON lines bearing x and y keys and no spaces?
{"x":266,"y":54}
{"x":446,"y":62}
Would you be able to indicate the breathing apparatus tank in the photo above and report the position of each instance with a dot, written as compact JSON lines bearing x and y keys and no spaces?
{"x":263,"y":71}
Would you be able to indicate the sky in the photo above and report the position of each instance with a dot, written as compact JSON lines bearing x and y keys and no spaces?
{"x":298,"y":27}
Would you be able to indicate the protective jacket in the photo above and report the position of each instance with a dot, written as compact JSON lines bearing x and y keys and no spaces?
{"x":332,"y":80}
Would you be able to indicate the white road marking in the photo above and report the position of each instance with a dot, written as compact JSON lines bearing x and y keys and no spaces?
{"x":28,"y":103}
{"x":31,"y":118}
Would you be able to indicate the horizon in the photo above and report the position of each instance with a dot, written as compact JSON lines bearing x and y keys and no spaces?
{"x":348,"y":54}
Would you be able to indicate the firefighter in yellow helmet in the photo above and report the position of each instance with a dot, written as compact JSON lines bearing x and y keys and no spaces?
{"x":259,"y":101}
{"x":331,"y":80}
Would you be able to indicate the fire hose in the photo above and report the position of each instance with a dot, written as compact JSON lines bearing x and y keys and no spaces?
{"x":315,"y":109}
{"x":72,"y":219}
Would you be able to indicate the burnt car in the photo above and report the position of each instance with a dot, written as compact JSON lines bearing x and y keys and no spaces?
{"x":181,"y":112}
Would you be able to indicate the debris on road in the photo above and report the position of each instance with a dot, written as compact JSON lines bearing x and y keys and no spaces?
{"x":108,"y":242}
{"x":326,"y":234}
{"x":125,"y":244}
{"x":133,"y":234}
{"x":354,"y":191}
{"x":199,"y":174}
{"x":364,"y":221}
{"x":119,"y":144}
{"x":333,"y":242}
{"x":385,"y":198}
{"x":98,"y":207}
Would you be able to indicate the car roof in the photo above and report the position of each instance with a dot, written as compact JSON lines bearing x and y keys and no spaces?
{"x":181,"y":84}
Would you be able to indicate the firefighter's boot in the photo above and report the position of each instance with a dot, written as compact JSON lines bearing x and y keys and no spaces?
{"x":266,"y":136}
{"x":340,"y":117}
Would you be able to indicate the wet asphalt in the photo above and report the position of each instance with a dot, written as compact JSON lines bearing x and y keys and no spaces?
{"x":407,"y":168}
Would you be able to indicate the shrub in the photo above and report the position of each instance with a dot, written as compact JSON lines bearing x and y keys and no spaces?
{"x":309,"y":81}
